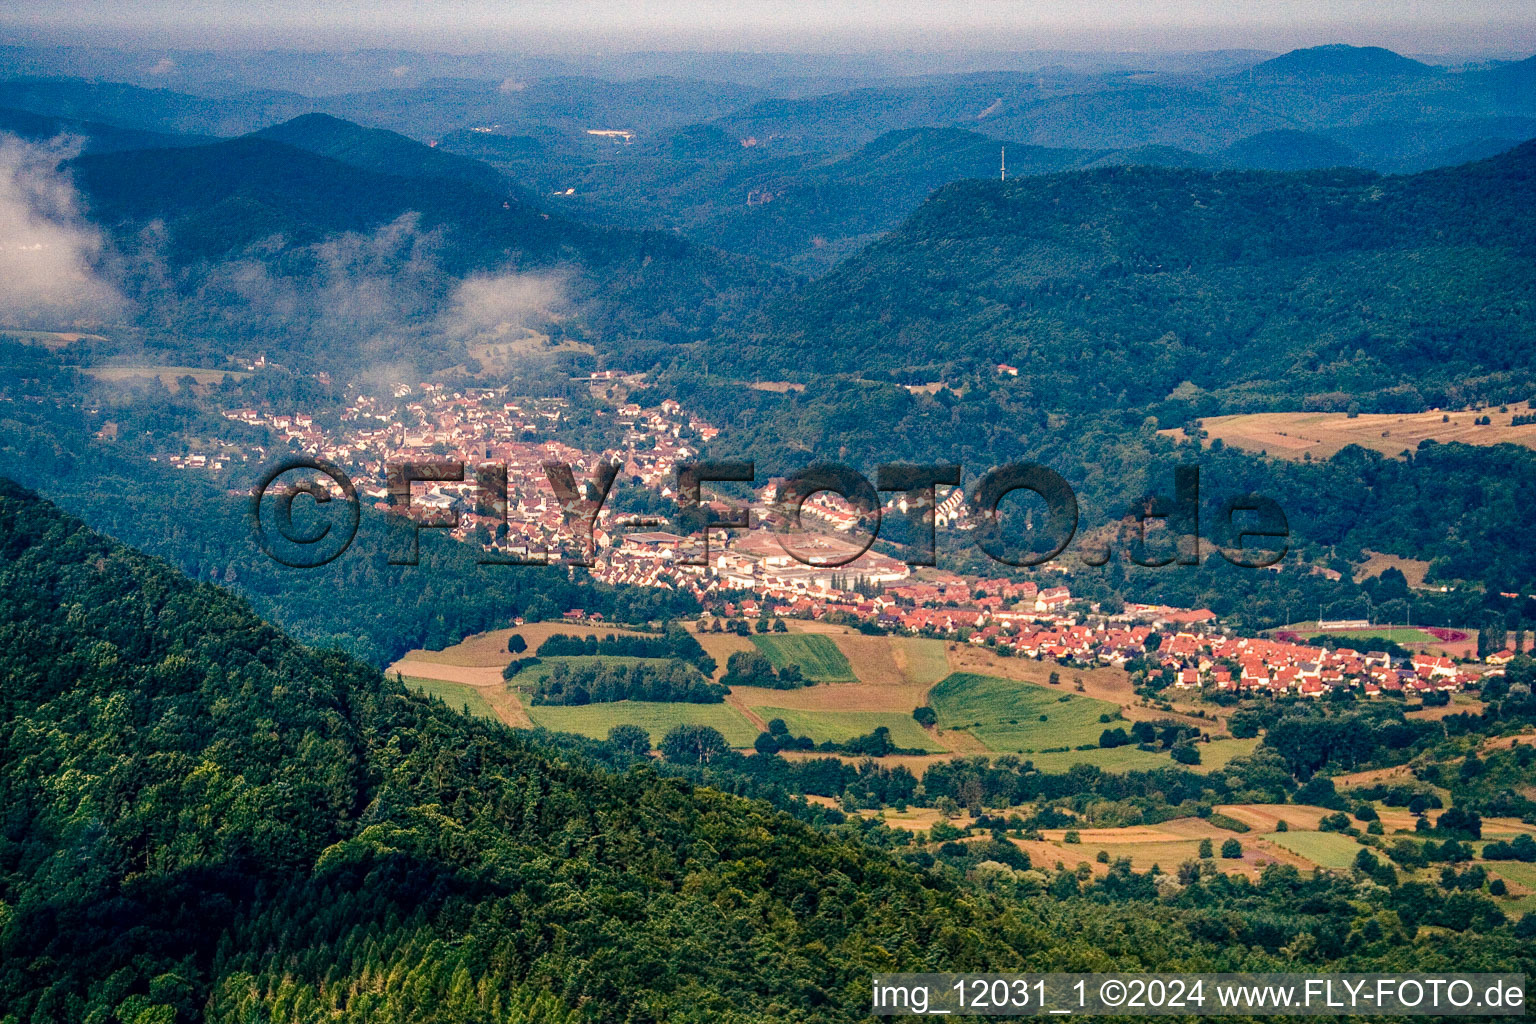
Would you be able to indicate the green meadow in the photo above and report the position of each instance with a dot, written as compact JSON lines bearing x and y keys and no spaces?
{"x":1008,"y":715}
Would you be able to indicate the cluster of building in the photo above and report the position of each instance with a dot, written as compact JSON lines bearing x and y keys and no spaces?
{"x":1249,"y":665}
{"x":810,"y":574}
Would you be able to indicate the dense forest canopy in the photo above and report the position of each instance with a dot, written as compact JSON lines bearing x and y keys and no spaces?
{"x":1127,"y":286}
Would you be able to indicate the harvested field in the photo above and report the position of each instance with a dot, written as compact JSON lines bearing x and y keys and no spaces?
{"x":1111,"y":684}
{"x":1290,"y":435}
{"x":1265,"y":817}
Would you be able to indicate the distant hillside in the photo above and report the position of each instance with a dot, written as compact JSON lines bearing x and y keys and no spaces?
{"x":1112,"y":287}
{"x":1513,"y":85}
{"x":94,"y":136}
{"x":155,"y":110}
{"x":232,"y":200}
{"x":422,"y":111}
{"x":1341,"y":60}
{"x":1289,"y":151}
{"x":379,"y":150}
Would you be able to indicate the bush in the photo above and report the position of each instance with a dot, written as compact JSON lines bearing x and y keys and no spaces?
{"x":631,"y":739}
{"x":1072,"y":837}
{"x":692,"y":744}
{"x":1231,"y":849}
{"x":1111,"y":738}
{"x":943,"y":830}
{"x":516,"y":644}
{"x":925,"y":716}
{"x":517,"y":665}
{"x":1497,"y":887}
{"x":601,"y":682}
{"x":1230,"y":824}
{"x":1282,"y":825}
{"x":1206,"y":849}
{"x":1186,"y":753}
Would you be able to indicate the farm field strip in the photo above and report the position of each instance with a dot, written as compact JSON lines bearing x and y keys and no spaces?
{"x":1291,"y":435}
{"x":1325,"y":849}
{"x":816,"y":655}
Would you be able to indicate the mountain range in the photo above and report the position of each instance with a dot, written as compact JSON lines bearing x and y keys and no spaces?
{"x":1117,"y":286}
{"x":710,"y":159}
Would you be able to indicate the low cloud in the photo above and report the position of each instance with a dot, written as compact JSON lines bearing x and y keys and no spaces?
{"x":487,"y":307}
{"x":49,"y":254}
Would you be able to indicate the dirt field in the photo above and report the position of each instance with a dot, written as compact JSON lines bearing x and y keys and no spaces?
{"x":1290,"y":435}
{"x":1460,"y":703}
{"x":1376,"y":563}
{"x":1265,"y":817}
{"x":168,"y":375}
{"x":486,"y":650}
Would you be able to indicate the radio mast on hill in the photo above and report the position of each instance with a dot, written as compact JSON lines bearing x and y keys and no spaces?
{"x":1005,"y":164}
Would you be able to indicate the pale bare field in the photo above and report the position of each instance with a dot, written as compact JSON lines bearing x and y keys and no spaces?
{"x":1265,"y":817}
{"x":1461,"y":703}
{"x":1291,"y":435}
{"x":1413,"y":569}
{"x":168,"y":375}
{"x":1373,"y":776}
{"x":490,"y":649}
{"x":1164,"y":853}
{"x":720,"y":646}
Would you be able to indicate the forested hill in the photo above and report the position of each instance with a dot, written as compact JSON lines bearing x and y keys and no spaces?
{"x":1113,"y":287}
{"x":224,"y":234}
{"x":203,"y":816}
{"x":204,"y":820}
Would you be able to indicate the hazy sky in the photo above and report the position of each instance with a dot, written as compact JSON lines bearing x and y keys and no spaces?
{"x":1426,"y":26}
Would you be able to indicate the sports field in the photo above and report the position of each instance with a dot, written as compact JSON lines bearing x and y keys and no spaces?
{"x":1010,"y":715}
{"x":1363,"y":634}
{"x":841,"y":726}
{"x":594,"y":720}
{"x":816,"y":654}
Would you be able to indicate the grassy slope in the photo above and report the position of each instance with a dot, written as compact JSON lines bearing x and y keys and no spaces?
{"x":595,"y":720}
{"x":840,"y":726}
{"x":1329,"y":849}
{"x":457,"y":696}
{"x":1005,"y":714}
